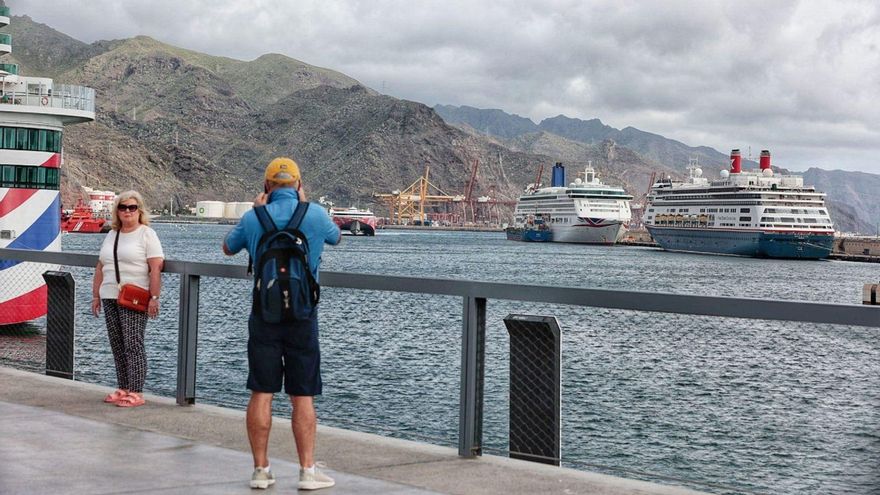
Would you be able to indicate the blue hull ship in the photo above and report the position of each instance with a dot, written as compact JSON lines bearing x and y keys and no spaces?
{"x":742,"y":213}
{"x":754,"y":244}
{"x":529,"y":235}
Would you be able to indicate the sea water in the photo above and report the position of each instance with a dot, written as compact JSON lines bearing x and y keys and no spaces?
{"x":720,"y":404}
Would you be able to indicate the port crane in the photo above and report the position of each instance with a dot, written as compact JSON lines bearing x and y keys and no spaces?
{"x":409,"y":205}
{"x":468,"y":202}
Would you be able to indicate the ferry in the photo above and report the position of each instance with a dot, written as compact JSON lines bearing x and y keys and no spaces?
{"x":586,"y":211}
{"x":33,"y":113}
{"x":533,"y":230}
{"x":354,"y":220}
{"x":744,"y":213}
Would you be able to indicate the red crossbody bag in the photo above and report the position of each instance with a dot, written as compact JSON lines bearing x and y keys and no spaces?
{"x":130,"y":296}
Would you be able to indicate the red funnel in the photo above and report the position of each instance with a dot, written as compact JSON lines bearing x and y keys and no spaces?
{"x":765,"y":159}
{"x":735,"y":162}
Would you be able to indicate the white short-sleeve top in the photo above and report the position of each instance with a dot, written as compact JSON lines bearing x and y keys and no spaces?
{"x":134,"y":249}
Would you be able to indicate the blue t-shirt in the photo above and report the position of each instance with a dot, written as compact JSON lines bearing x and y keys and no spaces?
{"x":317,"y":227}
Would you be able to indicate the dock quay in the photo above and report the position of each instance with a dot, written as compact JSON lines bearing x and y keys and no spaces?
{"x":462,"y":228}
{"x":59,"y":437}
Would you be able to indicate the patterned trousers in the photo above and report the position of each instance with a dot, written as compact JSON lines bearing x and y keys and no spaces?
{"x":126,"y":328}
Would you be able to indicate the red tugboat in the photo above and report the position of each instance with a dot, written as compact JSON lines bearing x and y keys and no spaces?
{"x":83,"y":220}
{"x":354,"y":220}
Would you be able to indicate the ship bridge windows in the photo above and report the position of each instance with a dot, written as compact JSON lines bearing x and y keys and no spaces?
{"x":27,"y":177}
{"x":23,"y":138}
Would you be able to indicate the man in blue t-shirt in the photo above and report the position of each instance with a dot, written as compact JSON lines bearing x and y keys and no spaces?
{"x":285,"y":351}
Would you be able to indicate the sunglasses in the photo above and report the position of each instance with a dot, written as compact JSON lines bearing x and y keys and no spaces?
{"x":128,"y":207}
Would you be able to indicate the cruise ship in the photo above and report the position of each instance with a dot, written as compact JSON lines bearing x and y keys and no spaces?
{"x":586,"y":211}
{"x":33,"y":113}
{"x":744,"y":213}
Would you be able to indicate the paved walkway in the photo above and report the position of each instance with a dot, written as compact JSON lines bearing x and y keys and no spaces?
{"x":56,"y":436}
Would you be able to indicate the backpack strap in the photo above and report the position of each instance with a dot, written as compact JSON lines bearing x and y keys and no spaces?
{"x":269,"y":227}
{"x":265,"y":220}
{"x":293,"y":225}
{"x":298,"y":215}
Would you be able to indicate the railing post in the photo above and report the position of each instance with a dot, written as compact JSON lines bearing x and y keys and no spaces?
{"x":60,"y":327}
{"x":187,"y":338}
{"x":473,"y":353}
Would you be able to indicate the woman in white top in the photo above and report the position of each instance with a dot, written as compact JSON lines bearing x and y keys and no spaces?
{"x":140,"y":258}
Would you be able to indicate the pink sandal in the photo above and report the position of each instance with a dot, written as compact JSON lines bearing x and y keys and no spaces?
{"x":131,"y":400}
{"x":115,"y":396}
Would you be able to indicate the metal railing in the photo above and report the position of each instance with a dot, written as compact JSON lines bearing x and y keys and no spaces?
{"x":65,"y":96}
{"x":474,"y":296}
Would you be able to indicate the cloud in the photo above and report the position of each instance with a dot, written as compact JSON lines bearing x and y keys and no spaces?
{"x":801,"y":77}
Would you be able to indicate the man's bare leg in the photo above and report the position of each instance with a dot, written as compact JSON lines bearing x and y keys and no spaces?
{"x":259,"y":423}
{"x":304,"y":423}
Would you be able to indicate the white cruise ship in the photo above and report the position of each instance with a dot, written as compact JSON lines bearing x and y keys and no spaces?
{"x":33,"y":114}
{"x":586,"y":211}
{"x":744,"y":213}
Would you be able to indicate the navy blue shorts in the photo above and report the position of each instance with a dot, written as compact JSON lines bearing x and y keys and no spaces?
{"x":287,"y":351}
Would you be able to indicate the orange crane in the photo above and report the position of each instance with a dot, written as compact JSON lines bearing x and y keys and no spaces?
{"x":538,"y":177}
{"x":409,"y":205}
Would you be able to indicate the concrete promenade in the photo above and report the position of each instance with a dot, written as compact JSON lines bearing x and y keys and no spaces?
{"x":57,"y":436}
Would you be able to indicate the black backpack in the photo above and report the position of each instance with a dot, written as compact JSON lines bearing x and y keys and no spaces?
{"x":284,"y":288}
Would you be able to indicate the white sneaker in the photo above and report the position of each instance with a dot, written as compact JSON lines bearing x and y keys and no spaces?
{"x":262,"y":478}
{"x":314,"y":480}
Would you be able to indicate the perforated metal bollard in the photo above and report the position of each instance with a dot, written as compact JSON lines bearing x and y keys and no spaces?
{"x":535,"y":388}
{"x":59,"y":323}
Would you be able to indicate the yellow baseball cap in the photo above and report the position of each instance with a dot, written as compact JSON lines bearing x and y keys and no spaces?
{"x":282,"y":170}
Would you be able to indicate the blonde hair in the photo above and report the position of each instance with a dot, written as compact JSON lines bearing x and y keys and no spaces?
{"x":143,"y":217}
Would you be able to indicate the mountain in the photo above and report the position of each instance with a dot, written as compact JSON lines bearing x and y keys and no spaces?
{"x":490,"y":122}
{"x":653,"y":148}
{"x":183,"y":126}
{"x":856,"y":193}
{"x":39,"y":49}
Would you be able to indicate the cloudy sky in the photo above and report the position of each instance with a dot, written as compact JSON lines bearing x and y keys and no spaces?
{"x":801,"y":78}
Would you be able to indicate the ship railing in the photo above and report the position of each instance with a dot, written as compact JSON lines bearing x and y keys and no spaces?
{"x":63,"y":96}
{"x":459,"y":306}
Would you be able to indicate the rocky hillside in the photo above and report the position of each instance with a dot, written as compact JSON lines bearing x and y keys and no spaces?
{"x":853,"y":193}
{"x":653,"y":148}
{"x":184,"y":126}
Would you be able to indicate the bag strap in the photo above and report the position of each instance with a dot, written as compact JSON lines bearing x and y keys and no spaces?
{"x":268,"y":226}
{"x":298,"y":214}
{"x":294,"y":224}
{"x":115,"y":258}
{"x":265,"y":220}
